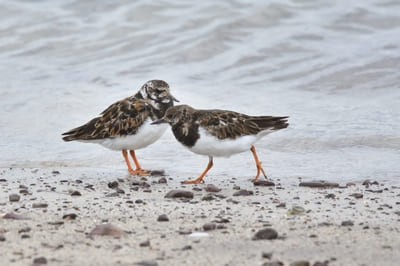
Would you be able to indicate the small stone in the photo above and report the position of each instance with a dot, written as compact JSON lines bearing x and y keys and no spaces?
{"x":162,"y":180}
{"x":163,"y":218}
{"x":208,"y":197}
{"x":40,"y":260}
{"x":347,"y":223}
{"x":145,"y":243}
{"x":24,"y":230}
{"x":107,"y":230}
{"x":263,"y":183}
{"x":113,"y":194}
{"x":209,"y":226}
{"x":243,"y":192}
{"x":357,"y":195}
{"x":318,"y":184}
{"x":330,"y":196}
{"x":25,"y":236}
{"x":14,"y":216}
{"x":281,"y":205}
{"x":212,"y":188}
{"x":179,"y":194}
{"x":70,"y":216}
{"x":266,"y":255}
{"x":55,"y":172}
{"x":300,"y":263}
{"x":187,"y":247}
{"x":265,"y":234}
{"x":120,"y":191}
{"x":296,"y":210}
{"x":273,"y":263}
{"x":113,"y":184}
{"x":138,"y":201}
{"x":2,"y":238}
{"x":318,"y":263}
{"x":157,"y":173}
{"x":39,"y":205}
{"x":147,"y":263}
{"x":76,"y":193}
{"x":14,"y":197}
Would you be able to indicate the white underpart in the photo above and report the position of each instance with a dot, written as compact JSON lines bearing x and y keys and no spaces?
{"x":146,"y":135}
{"x":210,"y":145}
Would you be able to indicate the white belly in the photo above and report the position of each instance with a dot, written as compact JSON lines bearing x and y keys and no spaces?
{"x":146,"y":135}
{"x":211,"y":146}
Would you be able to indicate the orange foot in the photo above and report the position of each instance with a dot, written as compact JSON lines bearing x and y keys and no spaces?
{"x":194,"y":181}
{"x":140,"y":172}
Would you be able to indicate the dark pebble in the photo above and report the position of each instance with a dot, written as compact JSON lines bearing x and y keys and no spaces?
{"x":212,"y":188}
{"x":14,"y":216}
{"x":347,"y":223}
{"x":163,"y":218}
{"x":264,"y":183}
{"x":40,"y":260}
{"x":300,"y":263}
{"x":113,"y":184}
{"x":24,"y":230}
{"x":273,"y":263}
{"x":70,"y":216}
{"x":23,"y":191}
{"x":25,"y":236}
{"x":113,"y":194}
{"x":243,"y":192}
{"x":76,"y":193}
{"x":145,"y":243}
{"x":162,"y":180}
{"x":209,"y":197}
{"x":147,"y":263}
{"x":281,"y":205}
{"x":267,"y":233}
{"x":318,"y":184}
{"x":39,"y":205}
{"x":179,"y":194}
{"x":157,"y":173}
{"x":209,"y":226}
{"x":3,"y":180}
{"x":330,"y":196}
{"x":374,"y":191}
{"x":187,"y":247}
{"x":2,"y":238}
{"x":266,"y":255}
{"x":368,"y":182}
{"x":14,"y":197}
{"x":318,"y":263}
{"x":357,"y":195}
{"x":120,"y":191}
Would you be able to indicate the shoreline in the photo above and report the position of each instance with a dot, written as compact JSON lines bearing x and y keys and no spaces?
{"x":345,"y":225}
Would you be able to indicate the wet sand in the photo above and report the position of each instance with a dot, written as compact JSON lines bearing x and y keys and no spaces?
{"x":353,"y":224}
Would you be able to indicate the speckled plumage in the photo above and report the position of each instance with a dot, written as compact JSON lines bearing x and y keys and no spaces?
{"x":219,"y":132}
{"x":125,"y":125}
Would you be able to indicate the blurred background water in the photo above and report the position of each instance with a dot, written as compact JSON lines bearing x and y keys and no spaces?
{"x":332,"y":66}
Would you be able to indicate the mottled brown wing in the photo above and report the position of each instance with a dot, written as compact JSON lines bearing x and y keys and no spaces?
{"x":229,"y":124}
{"x":119,"y":119}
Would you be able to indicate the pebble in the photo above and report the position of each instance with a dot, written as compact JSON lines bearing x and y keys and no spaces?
{"x":266,"y":255}
{"x":39,"y":205}
{"x":138,"y":201}
{"x":187,"y":247}
{"x":243,"y":192}
{"x":14,"y":197}
{"x":330,"y":196}
{"x":2,"y":238}
{"x":162,"y":180}
{"x":209,"y":197}
{"x":209,"y":226}
{"x":179,"y":194}
{"x":212,"y":188}
{"x":40,"y":260}
{"x":113,"y":194}
{"x":147,"y":263}
{"x":163,"y":218}
{"x":300,"y":263}
{"x":357,"y":195}
{"x":347,"y":223}
{"x":263,"y":183}
{"x":273,"y":263}
{"x":145,"y":243}
{"x":113,"y":184}
{"x":296,"y":210}
{"x":265,"y":234}
{"x":318,"y":184}
{"x":76,"y":193}
{"x":107,"y":230}
{"x":70,"y":216}
{"x":14,"y":216}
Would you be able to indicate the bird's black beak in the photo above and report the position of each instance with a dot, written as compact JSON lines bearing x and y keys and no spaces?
{"x":174,"y":99}
{"x":159,"y":121}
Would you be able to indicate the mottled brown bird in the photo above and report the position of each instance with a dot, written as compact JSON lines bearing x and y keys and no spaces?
{"x":126,"y":124}
{"x":219,"y":132}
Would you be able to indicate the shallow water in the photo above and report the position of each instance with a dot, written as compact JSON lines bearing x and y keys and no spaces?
{"x":332,"y":67}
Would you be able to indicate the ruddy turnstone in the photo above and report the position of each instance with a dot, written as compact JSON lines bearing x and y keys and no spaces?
{"x":126,"y":124}
{"x":219,"y":132}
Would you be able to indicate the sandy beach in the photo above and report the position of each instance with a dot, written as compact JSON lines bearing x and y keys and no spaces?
{"x":53,"y":214}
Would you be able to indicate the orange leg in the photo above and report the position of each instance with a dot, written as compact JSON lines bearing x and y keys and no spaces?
{"x":200,"y":178}
{"x":138,"y":171}
{"x":258,"y":164}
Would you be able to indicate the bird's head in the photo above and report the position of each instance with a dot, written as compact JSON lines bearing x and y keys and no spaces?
{"x":157,"y":91}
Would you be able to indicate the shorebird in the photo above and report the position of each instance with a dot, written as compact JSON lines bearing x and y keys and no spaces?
{"x":126,"y":124}
{"x":219,"y":132}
